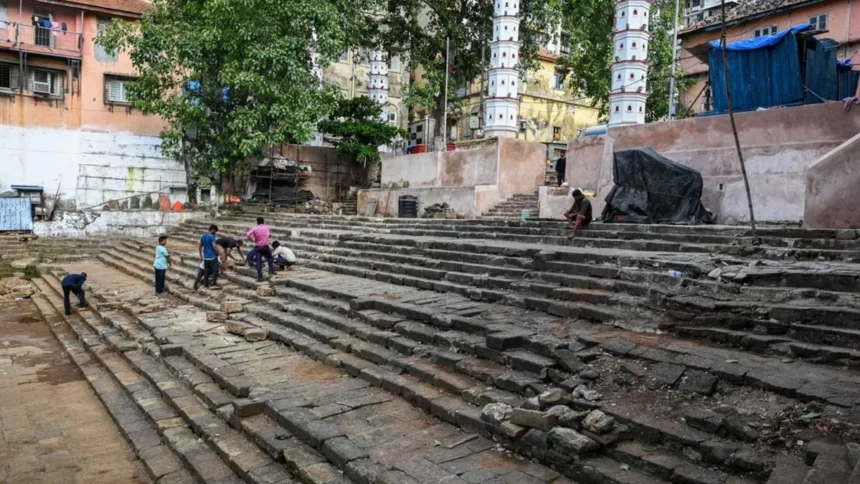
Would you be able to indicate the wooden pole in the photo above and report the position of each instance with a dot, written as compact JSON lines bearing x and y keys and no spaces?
{"x":724,"y":46}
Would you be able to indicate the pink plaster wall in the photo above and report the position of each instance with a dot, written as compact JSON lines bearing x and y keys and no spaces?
{"x":584,"y":158}
{"x":779,"y":146}
{"x":831,"y":188}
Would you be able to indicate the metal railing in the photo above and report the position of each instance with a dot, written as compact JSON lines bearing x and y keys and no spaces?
{"x":41,"y":39}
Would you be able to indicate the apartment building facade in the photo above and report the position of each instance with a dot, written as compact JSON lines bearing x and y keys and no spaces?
{"x":65,"y":120}
{"x":830,"y":18}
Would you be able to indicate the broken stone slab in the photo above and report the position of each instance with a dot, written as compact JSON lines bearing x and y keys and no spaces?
{"x":236,"y":327}
{"x":737,"y":427}
{"x":699,"y":382}
{"x":582,"y":392}
{"x":496,"y":413}
{"x":570,"y":441}
{"x":231,"y":307}
{"x":667,"y":373}
{"x":216,"y":316}
{"x":704,"y":419}
{"x":598,"y":422}
{"x":572,"y":419}
{"x":747,"y":460}
{"x":549,"y":398}
{"x":717,"y":451}
{"x":533,"y":419}
{"x":265,"y":291}
{"x":513,"y":430}
{"x":255,"y":334}
{"x":589,"y":374}
{"x":852,"y":452}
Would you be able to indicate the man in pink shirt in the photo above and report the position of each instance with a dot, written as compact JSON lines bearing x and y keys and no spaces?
{"x":259,"y":235}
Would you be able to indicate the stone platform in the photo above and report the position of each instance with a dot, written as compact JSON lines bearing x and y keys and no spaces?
{"x":484,"y":351}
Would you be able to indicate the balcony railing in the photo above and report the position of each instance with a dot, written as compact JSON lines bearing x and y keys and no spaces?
{"x":33,"y":38}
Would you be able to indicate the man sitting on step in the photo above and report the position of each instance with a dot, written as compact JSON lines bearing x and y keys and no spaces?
{"x":579,"y":215}
{"x":74,"y":283}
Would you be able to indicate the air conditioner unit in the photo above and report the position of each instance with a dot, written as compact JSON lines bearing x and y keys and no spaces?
{"x":42,"y":87}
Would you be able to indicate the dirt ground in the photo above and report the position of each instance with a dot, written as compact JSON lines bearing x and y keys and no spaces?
{"x":53,"y":429}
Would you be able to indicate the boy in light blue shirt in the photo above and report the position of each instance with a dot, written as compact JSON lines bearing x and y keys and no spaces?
{"x":161,"y":264}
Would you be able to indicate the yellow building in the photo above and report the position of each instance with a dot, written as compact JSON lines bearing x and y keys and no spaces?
{"x":548,"y":113}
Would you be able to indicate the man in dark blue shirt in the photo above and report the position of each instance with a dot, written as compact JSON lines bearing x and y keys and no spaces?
{"x":209,"y":256}
{"x":74,"y":283}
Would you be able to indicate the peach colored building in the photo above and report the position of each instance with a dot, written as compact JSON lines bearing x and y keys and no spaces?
{"x":65,"y":122}
{"x":763,"y":17}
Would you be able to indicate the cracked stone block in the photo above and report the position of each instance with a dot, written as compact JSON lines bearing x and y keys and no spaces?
{"x":216,"y":316}
{"x":533,"y":444}
{"x":265,"y":291}
{"x":255,"y":334}
{"x":365,"y":471}
{"x":716,"y":451}
{"x":747,"y":460}
{"x":737,"y":427}
{"x":598,"y":422}
{"x":534,"y":419}
{"x":496,"y":413}
{"x":231,"y":307}
{"x":704,"y":419}
{"x":570,"y":441}
{"x":552,"y":397}
{"x":699,"y":382}
{"x":236,"y":327}
{"x":342,"y":450}
{"x":513,"y":430}
{"x":667,"y":373}
{"x":507,"y":339}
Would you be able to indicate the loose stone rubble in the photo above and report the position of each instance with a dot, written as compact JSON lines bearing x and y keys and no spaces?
{"x":467,"y":351}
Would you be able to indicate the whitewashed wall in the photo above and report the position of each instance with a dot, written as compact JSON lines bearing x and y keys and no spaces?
{"x":90,"y":168}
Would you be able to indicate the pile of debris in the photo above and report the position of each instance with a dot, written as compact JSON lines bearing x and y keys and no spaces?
{"x":16,"y":288}
{"x":440,"y":210}
{"x":317,"y":206}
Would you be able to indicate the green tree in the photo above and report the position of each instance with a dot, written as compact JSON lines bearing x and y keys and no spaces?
{"x":230,"y":78}
{"x":358,"y":124}
{"x":590,"y":24}
{"x":420,"y":28}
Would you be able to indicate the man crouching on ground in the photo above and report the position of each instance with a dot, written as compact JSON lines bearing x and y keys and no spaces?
{"x":284,"y":257}
{"x":579,"y":215}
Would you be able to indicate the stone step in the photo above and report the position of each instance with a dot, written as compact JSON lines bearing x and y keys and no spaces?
{"x":600,"y":291}
{"x":294,"y":306}
{"x":318,"y":422}
{"x":787,"y":238}
{"x":199,"y":459}
{"x":159,"y":460}
{"x":680,"y":438}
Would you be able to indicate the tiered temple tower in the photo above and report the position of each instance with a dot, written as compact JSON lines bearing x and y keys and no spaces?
{"x":378,"y":83}
{"x":630,"y":70}
{"x":502,"y":104}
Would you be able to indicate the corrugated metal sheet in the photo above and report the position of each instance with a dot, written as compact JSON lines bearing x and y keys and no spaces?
{"x":820,"y":71}
{"x":759,"y":78}
{"x":16,"y":214}
{"x":847,"y":81}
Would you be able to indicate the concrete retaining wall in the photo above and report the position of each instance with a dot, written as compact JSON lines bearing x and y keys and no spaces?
{"x":127,"y":223}
{"x":89,"y":168}
{"x":831,"y":188}
{"x":471,"y":181}
{"x":779,"y":146}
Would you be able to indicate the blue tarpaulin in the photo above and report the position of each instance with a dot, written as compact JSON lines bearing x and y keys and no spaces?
{"x":783,"y":69}
{"x":760,"y":42}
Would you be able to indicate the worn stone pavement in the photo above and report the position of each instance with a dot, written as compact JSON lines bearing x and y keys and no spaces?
{"x":54,"y":429}
{"x":420,"y":448}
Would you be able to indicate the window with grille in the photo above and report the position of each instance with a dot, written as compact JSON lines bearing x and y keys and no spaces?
{"x":765,"y":31}
{"x":45,"y":82}
{"x":559,"y":80}
{"x":116,"y":90}
{"x":818,"y":22}
{"x":8,"y":77}
{"x":102,"y":55}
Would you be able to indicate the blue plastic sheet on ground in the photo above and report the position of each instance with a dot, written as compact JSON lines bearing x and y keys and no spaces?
{"x":760,"y":42}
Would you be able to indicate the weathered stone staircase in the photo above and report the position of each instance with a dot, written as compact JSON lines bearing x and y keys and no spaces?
{"x":513,"y":207}
{"x":405,"y":351}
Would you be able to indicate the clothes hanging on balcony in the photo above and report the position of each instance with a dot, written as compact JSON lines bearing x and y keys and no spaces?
{"x":64,"y":27}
